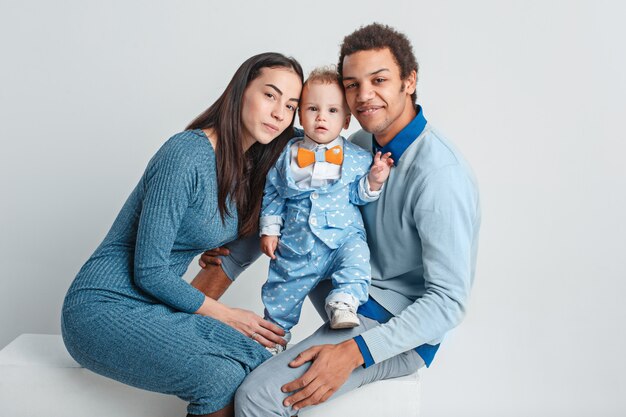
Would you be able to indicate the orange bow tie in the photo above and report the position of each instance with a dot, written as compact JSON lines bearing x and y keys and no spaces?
{"x":306,"y":157}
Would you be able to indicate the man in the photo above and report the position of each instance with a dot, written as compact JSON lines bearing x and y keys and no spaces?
{"x":422,"y":234}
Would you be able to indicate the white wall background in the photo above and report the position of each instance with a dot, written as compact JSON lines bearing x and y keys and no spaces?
{"x":532,"y":92}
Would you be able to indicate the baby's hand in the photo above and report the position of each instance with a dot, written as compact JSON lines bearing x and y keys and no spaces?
{"x":268,"y":245}
{"x":380,"y":170}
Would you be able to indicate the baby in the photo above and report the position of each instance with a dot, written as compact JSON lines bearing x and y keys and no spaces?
{"x":310,"y":200}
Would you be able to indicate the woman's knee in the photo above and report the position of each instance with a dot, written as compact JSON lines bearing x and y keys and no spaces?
{"x":211,"y":385}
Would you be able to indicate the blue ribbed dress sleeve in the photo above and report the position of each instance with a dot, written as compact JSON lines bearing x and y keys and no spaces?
{"x":170,"y":184}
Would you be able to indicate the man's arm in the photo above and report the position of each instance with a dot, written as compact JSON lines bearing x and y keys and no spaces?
{"x":212,"y":281}
{"x":447,"y":217}
{"x":233,"y":258}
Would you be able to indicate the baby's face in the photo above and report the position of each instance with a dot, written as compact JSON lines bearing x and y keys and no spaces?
{"x":323,"y":113}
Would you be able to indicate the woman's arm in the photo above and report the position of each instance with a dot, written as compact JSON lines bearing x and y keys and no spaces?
{"x":246,"y":322}
{"x":168,"y":186}
{"x":213,"y":282}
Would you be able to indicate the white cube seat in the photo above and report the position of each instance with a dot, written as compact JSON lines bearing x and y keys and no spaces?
{"x":39,"y":378}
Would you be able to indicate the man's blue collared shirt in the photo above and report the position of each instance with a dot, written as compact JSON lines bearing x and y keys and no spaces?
{"x":404,"y":138}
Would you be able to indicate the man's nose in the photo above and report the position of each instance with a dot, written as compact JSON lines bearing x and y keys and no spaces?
{"x":364,"y":93}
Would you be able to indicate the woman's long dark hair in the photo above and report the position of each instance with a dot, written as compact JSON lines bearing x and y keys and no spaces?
{"x":241,"y":175}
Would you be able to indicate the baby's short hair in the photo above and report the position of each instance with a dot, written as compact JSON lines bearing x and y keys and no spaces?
{"x":325,"y":75}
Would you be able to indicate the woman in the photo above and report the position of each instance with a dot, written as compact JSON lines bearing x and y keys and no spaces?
{"x":129,"y":315}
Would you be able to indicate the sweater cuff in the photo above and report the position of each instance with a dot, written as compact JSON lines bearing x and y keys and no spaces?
{"x":377,"y":344}
{"x":365,"y":352}
{"x":243,"y":252}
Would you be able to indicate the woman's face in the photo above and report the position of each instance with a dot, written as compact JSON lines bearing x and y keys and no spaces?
{"x":269,"y":104}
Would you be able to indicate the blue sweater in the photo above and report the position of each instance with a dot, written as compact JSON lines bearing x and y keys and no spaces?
{"x":423,"y":239}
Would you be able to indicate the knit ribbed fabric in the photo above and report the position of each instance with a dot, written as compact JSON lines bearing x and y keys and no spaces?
{"x":423,"y":238}
{"x":128,"y":314}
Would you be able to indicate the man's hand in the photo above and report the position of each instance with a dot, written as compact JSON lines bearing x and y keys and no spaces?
{"x":331,"y":367}
{"x":211,"y":257}
{"x":381,"y":167}
{"x":268,"y":245}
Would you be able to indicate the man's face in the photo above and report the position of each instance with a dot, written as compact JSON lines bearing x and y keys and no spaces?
{"x":376,"y":94}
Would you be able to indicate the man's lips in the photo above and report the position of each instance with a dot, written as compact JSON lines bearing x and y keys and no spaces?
{"x":367,"y":110}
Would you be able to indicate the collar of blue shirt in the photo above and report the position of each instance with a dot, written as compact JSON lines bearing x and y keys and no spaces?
{"x":404,"y":138}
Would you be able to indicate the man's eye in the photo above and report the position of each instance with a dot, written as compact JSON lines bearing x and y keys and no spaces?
{"x":350,"y":86}
{"x":379,"y":80}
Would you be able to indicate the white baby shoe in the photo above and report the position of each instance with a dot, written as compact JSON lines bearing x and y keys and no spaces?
{"x":342,"y":315}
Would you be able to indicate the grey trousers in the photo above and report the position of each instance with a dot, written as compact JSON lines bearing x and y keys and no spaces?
{"x":260,"y":393}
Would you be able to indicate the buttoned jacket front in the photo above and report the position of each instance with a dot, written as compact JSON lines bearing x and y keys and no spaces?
{"x":328,"y":213}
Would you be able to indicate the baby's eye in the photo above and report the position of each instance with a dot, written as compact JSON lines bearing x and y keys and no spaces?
{"x":333,"y":110}
{"x":312,"y":108}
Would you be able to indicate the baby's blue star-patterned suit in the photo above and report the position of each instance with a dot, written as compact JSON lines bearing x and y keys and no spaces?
{"x":322,"y":236}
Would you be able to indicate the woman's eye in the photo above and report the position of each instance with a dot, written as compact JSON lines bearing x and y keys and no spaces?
{"x":269,"y":95}
{"x":291,"y":107}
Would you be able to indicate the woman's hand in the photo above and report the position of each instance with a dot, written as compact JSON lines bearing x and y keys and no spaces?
{"x":260,"y":330}
{"x":256,"y":328}
{"x":211,"y":257}
{"x":268,"y":245}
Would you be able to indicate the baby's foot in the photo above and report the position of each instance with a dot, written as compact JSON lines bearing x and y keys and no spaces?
{"x":342,"y":315}
{"x":276,"y":349}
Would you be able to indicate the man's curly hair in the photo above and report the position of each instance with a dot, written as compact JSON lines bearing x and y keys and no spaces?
{"x":379,"y":36}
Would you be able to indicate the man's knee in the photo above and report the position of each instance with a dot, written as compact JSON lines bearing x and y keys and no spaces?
{"x":258,"y":396}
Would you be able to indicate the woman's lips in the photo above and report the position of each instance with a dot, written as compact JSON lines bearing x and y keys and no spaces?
{"x":272,"y":128}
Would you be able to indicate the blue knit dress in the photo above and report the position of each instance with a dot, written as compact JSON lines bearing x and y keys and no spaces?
{"x":128,"y":315}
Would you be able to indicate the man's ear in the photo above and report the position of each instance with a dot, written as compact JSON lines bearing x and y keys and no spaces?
{"x":346,"y":123}
{"x":410,"y":82}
